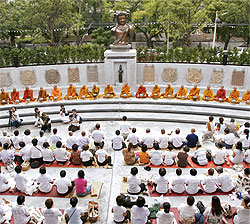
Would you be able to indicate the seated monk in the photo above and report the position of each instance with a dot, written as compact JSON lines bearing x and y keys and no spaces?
{"x":28,"y":95}
{"x":56,"y":94}
{"x":108,"y":92}
{"x":14,"y":96}
{"x":169,"y":92}
{"x":156,"y":92}
{"x":221,"y":95}
{"x":208,"y":94}
{"x":125,"y":93}
{"x":182,"y":93}
{"x":71,"y":94}
{"x":246,"y":97}
{"x":84,"y":93}
{"x":95,"y":92}
{"x":141,"y":92}
{"x":194,"y":93}
{"x":234,"y":96}
{"x":42,"y":95}
{"x":4,"y":97}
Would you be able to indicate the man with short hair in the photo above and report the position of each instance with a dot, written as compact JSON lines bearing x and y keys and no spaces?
{"x":148,"y":140}
{"x":125,"y":127}
{"x":97,"y":135}
{"x":71,"y":93}
{"x":232,"y":127}
{"x":118,"y":142}
{"x":74,"y":121}
{"x":14,"y":117}
{"x":51,"y":214}
{"x":192,"y":139}
{"x":28,"y":95}
{"x":83,"y":140}
{"x":133,"y":138}
{"x":4,"y":97}
{"x":177,"y":140}
{"x":227,"y":140}
{"x":71,"y":140}
{"x":54,"y":138}
{"x":224,"y":182}
{"x":178,"y":182}
{"x":221,"y":95}
{"x":20,"y":212}
{"x":64,"y":185}
{"x":163,"y":140}
{"x":44,"y":181}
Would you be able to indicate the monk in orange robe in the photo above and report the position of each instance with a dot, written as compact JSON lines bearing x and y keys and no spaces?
{"x":141,"y":92}
{"x":28,"y":95}
{"x":234,"y":96}
{"x":108,"y":92}
{"x":169,"y":92}
{"x":4,"y":97}
{"x":42,"y":95}
{"x":156,"y":92}
{"x":221,"y":95}
{"x":125,"y":93}
{"x":71,"y":94}
{"x":95,"y":92}
{"x":182,"y":93}
{"x":84,"y":93}
{"x":208,"y":94}
{"x":246,"y":97}
{"x":56,"y":94}
{"x":14,"y":96}
{"x":194,"y":93}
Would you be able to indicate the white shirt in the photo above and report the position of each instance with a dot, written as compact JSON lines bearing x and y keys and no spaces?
{"x":44,"y":182}
{"x":209,"y":184}
{"x":187,"y":211}
{"x":61,"y":154}
{"x":156,"y":157}
{"x":101,"y":153}
{"x":125,"y":127}
{"x":148,"y":140}
{"x":25,"y":153}
{"x":51,"y":216}
{"x":36,"y":152}
{"x":98,"y":136}
{"x":27,"y":140}
{"x":75,"y":218}
{"x":83,"y":141}
{"x":48,"y":155}
{"x":247,"y":155}
{"x":220,"y":156}
{"x":5,"y":139}
{"x":224,"y":182}
{"x":169,"y":158}
{"x":140,"y":215}
{"x":21,"y":182}
{"x":200,"y":154}
{"x":21,"y":214}
{"x":239,"y":154}
{"x":242,"y":216}
{"x":3,"y":183}
{"x":2,"y":214}
{"x":228,"y":139}
{"x":132,"y":138}
{"x":177,"y":140}
{"x":86,"y":155}
{"x":165,"y":218}
{"x":245,"y":142}
{"x":118,"y":213}
{"x":63,"y":184}
{"x":133,"y":184}
{"x":54,"y":139}
{"x":163,"y":141}
{"x":117,"y":142}
{"x":178,"y":184}
{"x":16,"y":140}
{"x":74,"y":118}
{"x":162,"y":185}
{"x":41,"y":140}
{"x":193,"y":183}
{"x":70,"y":141}
{"x":6,"y":154}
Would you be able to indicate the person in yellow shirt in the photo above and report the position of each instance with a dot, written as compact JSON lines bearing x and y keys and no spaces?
{"x":42,"y":95}
{"x":95,"y":92}
{"x":208,"y":94}
{"x":156,"y":92}
{"x":125,"y":93}
{"x":108,"y":92}
{"x":71,"y":94}
{"x":234,"y":96}
{"x":4,"y":97}
{"x":194,"y":93}
{"x":169,"y":92}
{"x":56,"y":94}
{"x":182,"y":93}
{"x":246,"y":97}
{"x":84,"y":93}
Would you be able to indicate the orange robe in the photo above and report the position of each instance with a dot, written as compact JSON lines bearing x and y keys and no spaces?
{"x":156,"y":92}
{"x":125,"y":90}
{"x":95,"y":92}
{"x":71,"y":93}
{"x":14,"y":97}
{"x":56,"y":94}
{"x":246,"y":97}
{"x":4,"y":98}
{"x":42,"y":95}
{"x":194,"y":94}
{"x":181,"y":92}
{"x":221,"y":93}
{"x":84,"y":93}
{"x":208,"y":93}
{"x":234,"y":95}
{"x":108,"y":90}
{"x":143,"y":91}
{"x":169,"y":92}
{"x":28,"y":94}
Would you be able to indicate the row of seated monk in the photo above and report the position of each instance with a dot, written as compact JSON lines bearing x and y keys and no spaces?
{"x":194,"y":94}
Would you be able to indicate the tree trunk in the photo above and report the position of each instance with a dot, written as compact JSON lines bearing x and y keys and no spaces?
{"x":12,"y":39}
{"x":187,"y":39}
{"x":227,"y":42}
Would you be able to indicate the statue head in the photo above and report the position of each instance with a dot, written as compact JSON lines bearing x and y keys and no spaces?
{"x":121,"y":18}
{"x":235,"y":88}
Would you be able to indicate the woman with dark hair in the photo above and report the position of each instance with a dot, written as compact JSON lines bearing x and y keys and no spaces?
{"x":165,"y":216}
{"x":214,"y":214}
{"x":238,"y":154}
{"x":75,"y":158}
{"x":140,"y":213}
{"x":129,"y":155}
{"x":221,"y":126}
{"x":244,"y":139}
{"x":82,"y":188}
{"x":243,"y":212}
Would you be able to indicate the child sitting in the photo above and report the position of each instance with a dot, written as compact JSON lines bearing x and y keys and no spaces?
{"x":143,"y":155}
{"x":48,"y":156}
{"x":140,"y":213}
{"x":61,"y":154}
{"x":165,"y":217}
{"x":44,"y":181}
{"x":160,"y":184}
{"x":169,"y":157}
{"x":156,"y":157}
{"x":121,"y":215}
{"x":134,"y":183}
{"x":209,"y":182}
{"x":182,"y":158}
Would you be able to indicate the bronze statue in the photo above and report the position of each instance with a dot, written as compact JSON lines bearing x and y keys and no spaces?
{"x":122,"y":30}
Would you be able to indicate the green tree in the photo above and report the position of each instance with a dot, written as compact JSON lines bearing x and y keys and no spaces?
{"x":101,"y":36}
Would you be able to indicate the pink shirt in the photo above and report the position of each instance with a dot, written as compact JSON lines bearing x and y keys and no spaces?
{"x":80,"y":185}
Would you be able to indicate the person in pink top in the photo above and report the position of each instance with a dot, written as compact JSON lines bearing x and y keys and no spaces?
{"x":82,"y":188}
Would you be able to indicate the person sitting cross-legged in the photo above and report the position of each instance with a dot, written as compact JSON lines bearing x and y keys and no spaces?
{"x":56,"y":94}
{"x":102,"y":157}
{"x":4,"y":183}
{"x":156,"y":92}
{"x":220,"y":155}
{"x":177,"y":141}
{"x":118,"y":142}
{"x":143,"y":155}
{"x":64,"y":185}
{"x":21,"y":213}
{"x":234,"y":96}
{"x":209,"y":183}
{"x":15,"y":96}
{"x":169,"y":92}
{"x":42,"y":95}
{"x":182,"y":93}
{"x":221,"y":95}
{"x":208,"y":94}
{"x":51,"y":214}
{"x":141,"y":92}
{"x":87,"y":157}
{"x":135,"y":186}
{"x":200,"y":156}
{"x":129,"y":155}
{"x":125,"y":92}
{"x":192,"y":139}
{"x":82,"y":186}
{"x":243,"y":212}
{"x":71,"y":93}
{"x":121,"y":215}
{"x":139,"y":211}
{"x":4,"y":97}
{"x":194,"y":94}
{"x":193,"y":183}
{"x":28,"y":95}
{"x":246,"y":97}
{"x":223,"y":180}
{"x":238,"y":154}
{"x":84,"y":93}
{"x":178,"y":182}
{"x":44,"y":181}
{"x":75,"y":157}
{"x":227,"y":140}
{"x":61,"y":154}
{"x":95,"y":92}
{"x":160,"y":184}
{"x":182,"y":157}
{"x":156,"y":157}
{"x":165,"y":216}
{"x":48,"y":156}
{"x":108,"y":92}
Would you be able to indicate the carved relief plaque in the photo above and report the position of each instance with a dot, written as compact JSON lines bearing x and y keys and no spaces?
{"x":194,"y":75}
{"x":5,"y":79}
{"x":73,"y":75}
{"x":92,"y":73}
{"x":217,"y":77}
{"x":238,"y":78}
{"x":169,"y":75}
{"x":149,"y":73}
{"x":52,"y":76}
{"x":28,"y":77}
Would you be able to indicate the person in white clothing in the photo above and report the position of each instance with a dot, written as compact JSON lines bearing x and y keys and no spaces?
{"x":200,"y":156}
{"x":16,"y":140}
{"x":243,"y":212}
{"x":133,"y":138}
{"x":193,"y":183}
{"x":75,"y":214}
{"x":165,"y":216}
{"x":53,"y":139}
{"x":5,"y":214}
{"x":223,"y":180}
{"x":238,"y":154}
{"x":246,"y":159}
{"x":97,"y":135}
{"x":220,"y":155}
{"x":61,"y":154}
{"x":118,"y":142}
{"x":102,"y":157}
{"x":140,"y":213}
{"x":4,"y":184}
{"x":244,"y":139}
{"x":125,"y":127}
{"x":156,"y":157}
{"x":41,"y":139}
{"x":36,"y":152}
{"x":169,"y":157}
{"x":48,"y":156}
{"x":24,"y":153}
{"x":177,"y":182}
{"x":148,"y":140}
{"x":87,"y":157}
{"x":51,"y":214}
{"x":160,"y":184}
{"x":74,"y":121}
{"x":5,"y":138}
{"x":121,"y":214}
{"x":83,"y":140}
{"x":71,"y":140}
{"x":27,"y":138}
{"x":163,"y":140}
{"x":64,"y":185}
{"x":45,"y":182}
{"x":227,"y":140}
{"x":64,"y":115}
{"x":135,"y":186}
{"x":209,"y":183}
{"x":242,"y":128}
{"x":20,"y":212}
{"x":177,"y":140}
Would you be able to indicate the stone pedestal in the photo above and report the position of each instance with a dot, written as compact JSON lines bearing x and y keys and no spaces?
{"x":124,"y":56}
